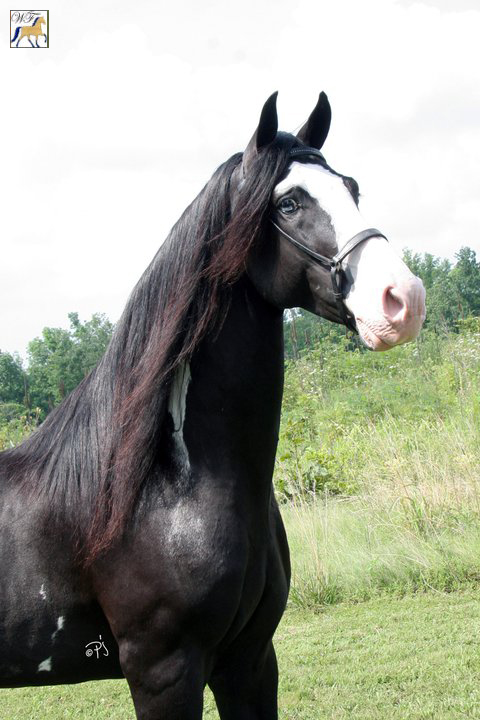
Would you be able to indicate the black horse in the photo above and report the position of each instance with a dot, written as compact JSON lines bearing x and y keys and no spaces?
{"x":139,"y":533}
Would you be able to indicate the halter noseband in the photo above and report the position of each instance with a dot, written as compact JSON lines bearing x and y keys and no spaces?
{"x":337,"y":272}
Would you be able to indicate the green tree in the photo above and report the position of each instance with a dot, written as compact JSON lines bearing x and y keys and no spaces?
{"x":453,"y":293}
{"x":90,"y":340}
{"x":427,"y":267}
{"x":13,"y":379}
{"x":51,"y":372}
{"x":303,"y":330}
{"x":60,"y":359}
{"x":466,"y":277}
{"x":443,"y":305}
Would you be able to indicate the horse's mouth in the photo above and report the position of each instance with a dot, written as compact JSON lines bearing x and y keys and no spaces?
{"x":373,"y":340}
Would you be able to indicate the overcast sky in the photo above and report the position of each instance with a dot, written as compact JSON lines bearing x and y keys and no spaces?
{"x":107,"y":135}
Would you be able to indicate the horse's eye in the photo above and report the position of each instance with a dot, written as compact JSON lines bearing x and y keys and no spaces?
{"x":287,"y":206}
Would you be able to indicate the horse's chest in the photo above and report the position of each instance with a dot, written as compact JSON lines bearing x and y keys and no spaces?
{"x":231,"y":571}
{"x":203,"y":567}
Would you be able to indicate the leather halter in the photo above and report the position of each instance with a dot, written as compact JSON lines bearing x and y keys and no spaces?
{"x":337,"y":272}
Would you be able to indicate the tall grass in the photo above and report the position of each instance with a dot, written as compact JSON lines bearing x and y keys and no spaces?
{"x":409,"y":459}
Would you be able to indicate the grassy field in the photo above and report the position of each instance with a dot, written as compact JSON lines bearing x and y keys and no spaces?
{"x":411,"y":658}
{"x":355,"y":549}
{"x":379,"y":464}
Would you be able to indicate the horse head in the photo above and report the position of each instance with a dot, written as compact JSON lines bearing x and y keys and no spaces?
{"x":317,"y":252}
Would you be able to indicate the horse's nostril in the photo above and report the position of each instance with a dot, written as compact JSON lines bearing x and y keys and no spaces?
{"x":393,"y":303}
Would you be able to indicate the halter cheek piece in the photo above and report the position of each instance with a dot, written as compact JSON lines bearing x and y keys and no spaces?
{"x":337,"y":272}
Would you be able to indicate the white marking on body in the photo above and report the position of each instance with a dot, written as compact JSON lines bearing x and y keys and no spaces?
{"x":177,"y":407}
{"x":185,"y":523}
{"x":187,"y":531}
{"x":45,"y":665}
{"x":60,"y":626}
{"x":386,"y":299}
{"x":42,"y":592}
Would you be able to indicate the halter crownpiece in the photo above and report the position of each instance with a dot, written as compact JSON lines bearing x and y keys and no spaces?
{"x":337,"y":272}
{"x":306,"y":151}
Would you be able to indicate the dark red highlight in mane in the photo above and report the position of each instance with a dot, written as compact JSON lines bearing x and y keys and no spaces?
{"x":95,"y":454}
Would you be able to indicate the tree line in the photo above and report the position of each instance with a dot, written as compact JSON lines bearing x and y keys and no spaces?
{"x":58,"y":361}
{"x":60,"y":358}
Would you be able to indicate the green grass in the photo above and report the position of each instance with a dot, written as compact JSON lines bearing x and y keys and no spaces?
{"x":415,"y":658}
{"x":413,"y":524}
{"x":379,"y":460}
{"x":359,"y":549}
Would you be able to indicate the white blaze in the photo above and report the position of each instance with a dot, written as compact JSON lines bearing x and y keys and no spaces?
{"x":332,"y":196}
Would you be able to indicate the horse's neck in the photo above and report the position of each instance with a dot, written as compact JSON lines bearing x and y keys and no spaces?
{"x":235,"y":393}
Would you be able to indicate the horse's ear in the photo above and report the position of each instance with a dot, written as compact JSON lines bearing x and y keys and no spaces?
{"x":315,"y":131}
{"x":265,"y":133}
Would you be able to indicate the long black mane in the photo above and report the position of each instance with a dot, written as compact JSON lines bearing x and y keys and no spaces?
{"x":94,"y":454}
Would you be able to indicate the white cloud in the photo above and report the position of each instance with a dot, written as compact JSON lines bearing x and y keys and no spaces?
{"x":111,"y":132}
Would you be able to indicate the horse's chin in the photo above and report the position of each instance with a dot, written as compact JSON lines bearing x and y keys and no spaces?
{"x":378,"y":340}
